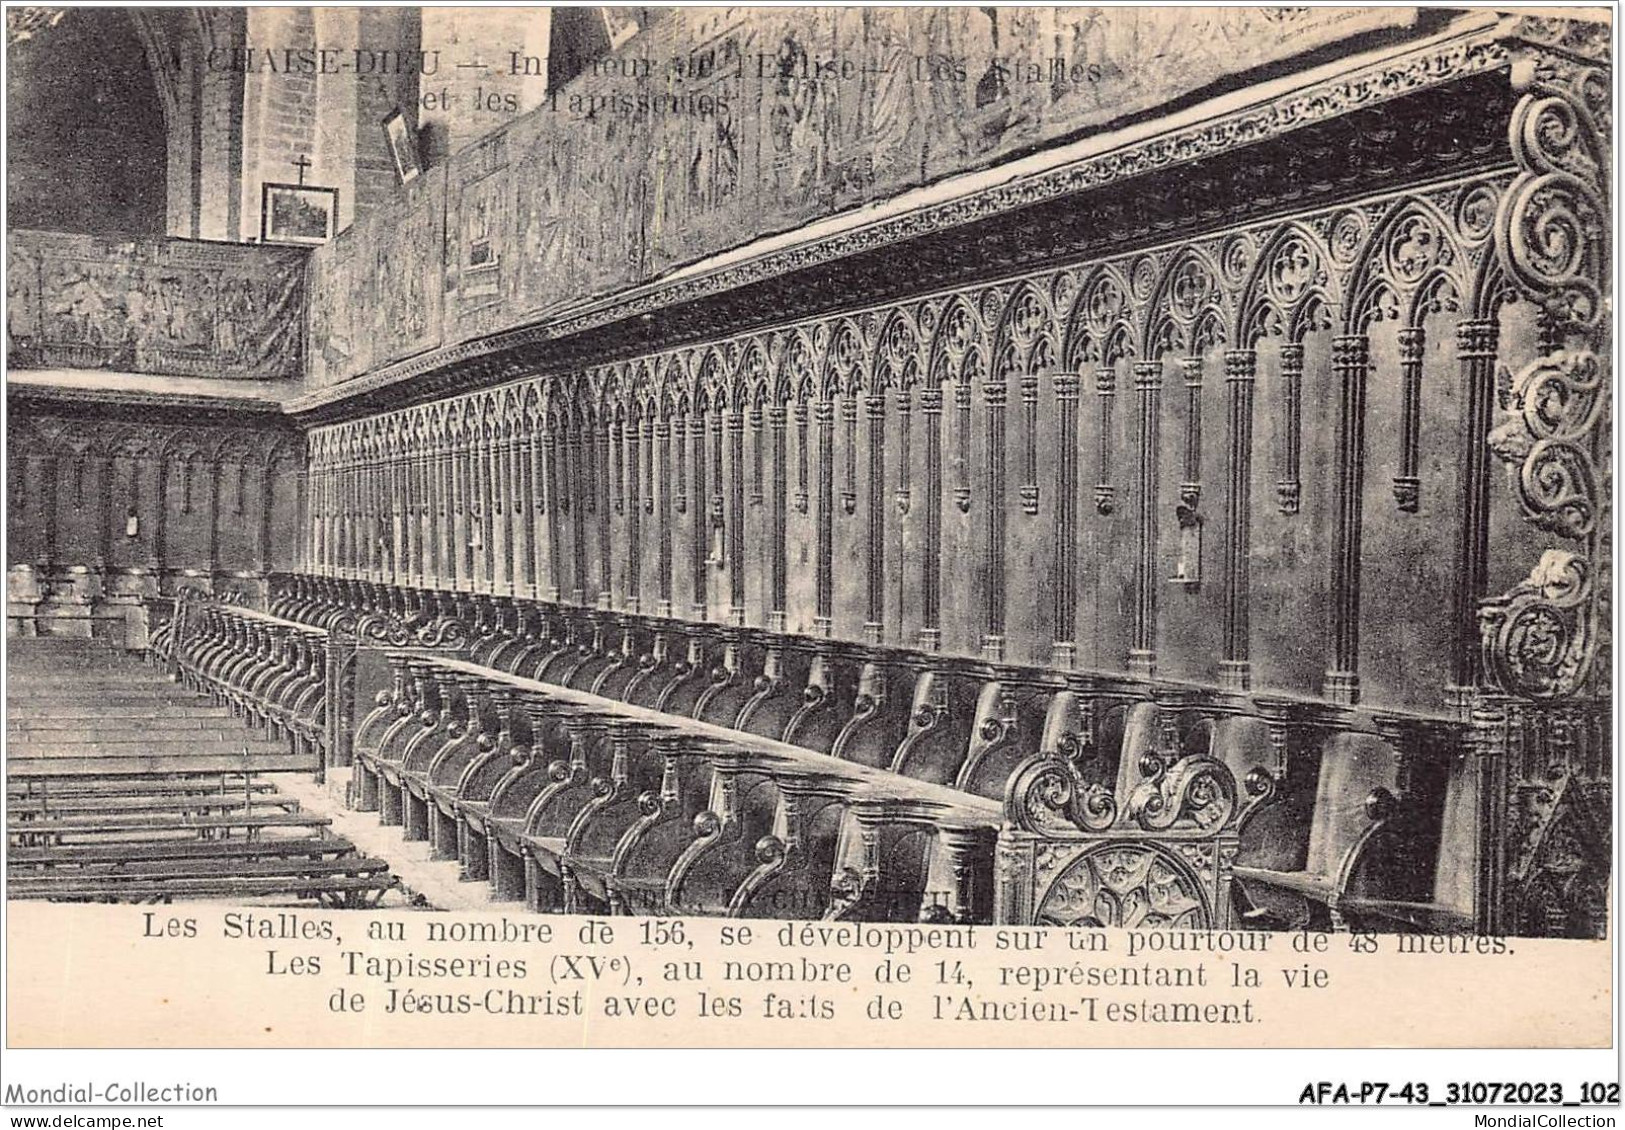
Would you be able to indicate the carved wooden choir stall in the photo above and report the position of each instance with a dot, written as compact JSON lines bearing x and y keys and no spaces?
{"x":1209,"y":530}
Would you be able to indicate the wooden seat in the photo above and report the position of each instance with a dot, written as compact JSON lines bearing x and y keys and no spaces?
{"x":1370,"y":847}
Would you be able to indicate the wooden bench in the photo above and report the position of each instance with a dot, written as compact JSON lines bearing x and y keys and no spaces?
{"x":103,"y":828}
{"x":195,"y":804}
{"x":339,"y":892}
{"x":74,"y":856}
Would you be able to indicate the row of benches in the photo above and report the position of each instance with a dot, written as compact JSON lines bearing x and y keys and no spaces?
{"x":156,"y":839}
{"x":120,"y":787}
{"x":879,"y":770}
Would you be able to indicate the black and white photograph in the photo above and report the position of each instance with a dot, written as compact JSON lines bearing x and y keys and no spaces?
{"x":813,"y":527}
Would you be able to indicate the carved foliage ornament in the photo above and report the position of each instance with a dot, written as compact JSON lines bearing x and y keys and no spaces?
{"x":1131,"y":886}
{"x":1049,"y":796}
{"x":1553,"y":409}
{"x":1540,"y":640}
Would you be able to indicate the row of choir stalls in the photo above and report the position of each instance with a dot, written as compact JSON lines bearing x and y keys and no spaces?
{"x":1130,"y":550}
{"x":113,"y":508}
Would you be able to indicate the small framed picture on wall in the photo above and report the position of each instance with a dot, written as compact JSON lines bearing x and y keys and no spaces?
{"x":403,"y":145}
{"x":300,"y":214}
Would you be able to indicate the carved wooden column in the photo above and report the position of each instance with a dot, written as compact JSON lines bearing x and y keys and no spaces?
{"x":400,"y":510}
{"x":823,"y":616}
{"x":1351,"y":362}
{"x":802,"y":478}
{"x":483,"y":542}
{"x":1288,"y":488}
{"x":962,"y":404}
{"x":382,"y":503}
{"x":336,"y":503}
{"x":416,"y":508}
{"x":357,"y":535}
{"x":1063,"y":638}
{"x":211,"y":467}
{"x":993,"y":527}
{"x":778,"y":520}
{"x":699,"y":530}
{"x":330,"y":509}
{"x":335,"y":506}
{"x":349,"y":557}
{"x":267,"y":508}
{"x":679,"y":470}
{"x":327,"y":511}
{"x":159,"y":518}
{"x":1029,"y":443}
{"x":600,"y":454}
{"x":905,"y":452}
{"x":1190,"y":486}
{"x":849,"y":452}
{"x":443,"y":576}
{"x":1142,"y":657}
{"x":931,"y":579}
{"x":736,"y":515}
{"x":1476,"y":345}
{"x":522,"y":511}
{"x":343,"y":512}
{"x":1486,"y":742}
{"x":538,"y":519}
{"x":1105,"y":490}
{"x":348,"y":523}
{"x":335,"y":513}
{"x":662,"y":431}
{"x":1408,"y":483}
{"x":582,"y":496}
{"x":375,"y":472}
{"x":1240,"y":374}
{"x":302,"y":556}
{"x":502,"y":484}
{"x":363,"y":535}
{"x":20,"y":482}
{"x":374,"y":467}
{"x":554,"y":503}
{"x":106,"y":517}
{"x":636,"y":435}
{"x":316,"y":542}
{"x":462,"y":572}
{"x":874,"y":624}
{"x":617,"y":453}
{"x":757,"y":481}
